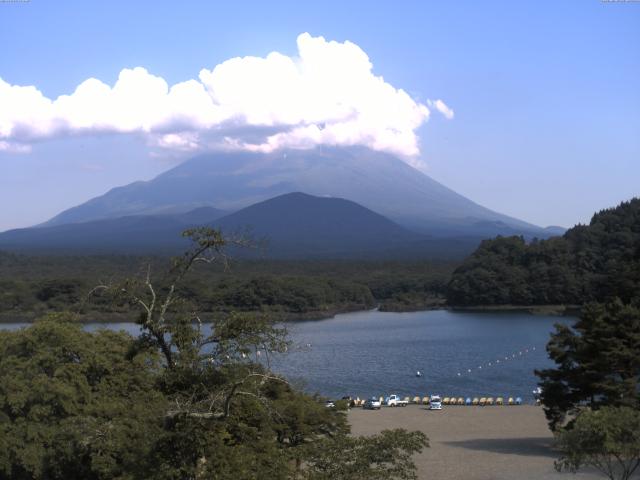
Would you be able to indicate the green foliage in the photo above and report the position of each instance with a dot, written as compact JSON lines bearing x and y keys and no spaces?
{"x":290,"y":294}
{"x":588,"y":263}
{"x":73,"y":405}
{"x":64,"y":291}
{"x":380,"y":457}
{"x":598,"y":362}
{"x":607,"y":440}
{"x":78,"y":405}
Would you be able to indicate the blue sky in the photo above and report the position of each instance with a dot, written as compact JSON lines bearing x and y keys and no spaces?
{"x":545,"y":93}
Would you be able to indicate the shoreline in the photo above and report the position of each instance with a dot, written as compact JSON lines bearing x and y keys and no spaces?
{"x":313,"y":315}
{"x":559,"y":310}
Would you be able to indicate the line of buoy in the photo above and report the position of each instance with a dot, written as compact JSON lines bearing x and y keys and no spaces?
{"x":499,"y":361}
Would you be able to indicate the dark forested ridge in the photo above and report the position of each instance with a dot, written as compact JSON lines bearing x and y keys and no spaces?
{"x":34,"y":285}
{"x":594,"y":262}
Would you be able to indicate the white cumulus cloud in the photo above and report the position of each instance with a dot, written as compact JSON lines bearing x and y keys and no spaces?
{"x":326,"y":95}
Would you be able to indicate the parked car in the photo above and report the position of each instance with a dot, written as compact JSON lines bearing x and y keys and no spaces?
{"x":435,"y":402}
{"x":372,"y":404}
{"x":395,"y":401}
{"x":330,"y":404}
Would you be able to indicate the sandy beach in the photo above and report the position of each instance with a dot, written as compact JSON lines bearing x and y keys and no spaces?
{"x":474,"y":443}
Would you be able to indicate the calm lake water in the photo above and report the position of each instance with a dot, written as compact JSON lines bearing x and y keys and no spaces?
{"x":377,"y":353}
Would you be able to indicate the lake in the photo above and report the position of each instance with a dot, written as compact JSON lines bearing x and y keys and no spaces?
{"x":377,"y":353}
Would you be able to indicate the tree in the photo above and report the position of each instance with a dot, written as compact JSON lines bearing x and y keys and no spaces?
{"x":75,"y":405}
{"x":607,"y":440}
{"x":598,"y":362}
{"x":380,"y":457}
{"x":230,"y":417}
{"x":595,"y":262}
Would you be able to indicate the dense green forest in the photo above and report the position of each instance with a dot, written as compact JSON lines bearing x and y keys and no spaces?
{"x":174,"y":403}
{"x":34,"y":285}
{"x":594,"y":262}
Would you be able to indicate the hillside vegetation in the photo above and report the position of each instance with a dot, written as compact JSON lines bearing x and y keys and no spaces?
{"x":35,"y":285}
{"x":594,"y":262}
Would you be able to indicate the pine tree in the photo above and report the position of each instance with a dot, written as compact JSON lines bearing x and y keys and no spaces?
{"x":598,"y":362}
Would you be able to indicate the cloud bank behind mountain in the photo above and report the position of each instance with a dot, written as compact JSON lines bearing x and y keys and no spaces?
{"x":325,"y":95}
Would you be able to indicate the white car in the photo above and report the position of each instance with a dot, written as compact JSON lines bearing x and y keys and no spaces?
{"x":435,"y":402}
{"x":372,"y":404}
{"x":395,"y":401}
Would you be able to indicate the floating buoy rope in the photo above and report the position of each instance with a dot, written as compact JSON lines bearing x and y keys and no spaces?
{"x":499,"y":361}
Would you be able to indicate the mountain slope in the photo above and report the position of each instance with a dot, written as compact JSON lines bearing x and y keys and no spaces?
{"x":130,"y":234}
{"x":234,"y":180}
{"x":294,"y":225}
{"x":301,"y":225}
